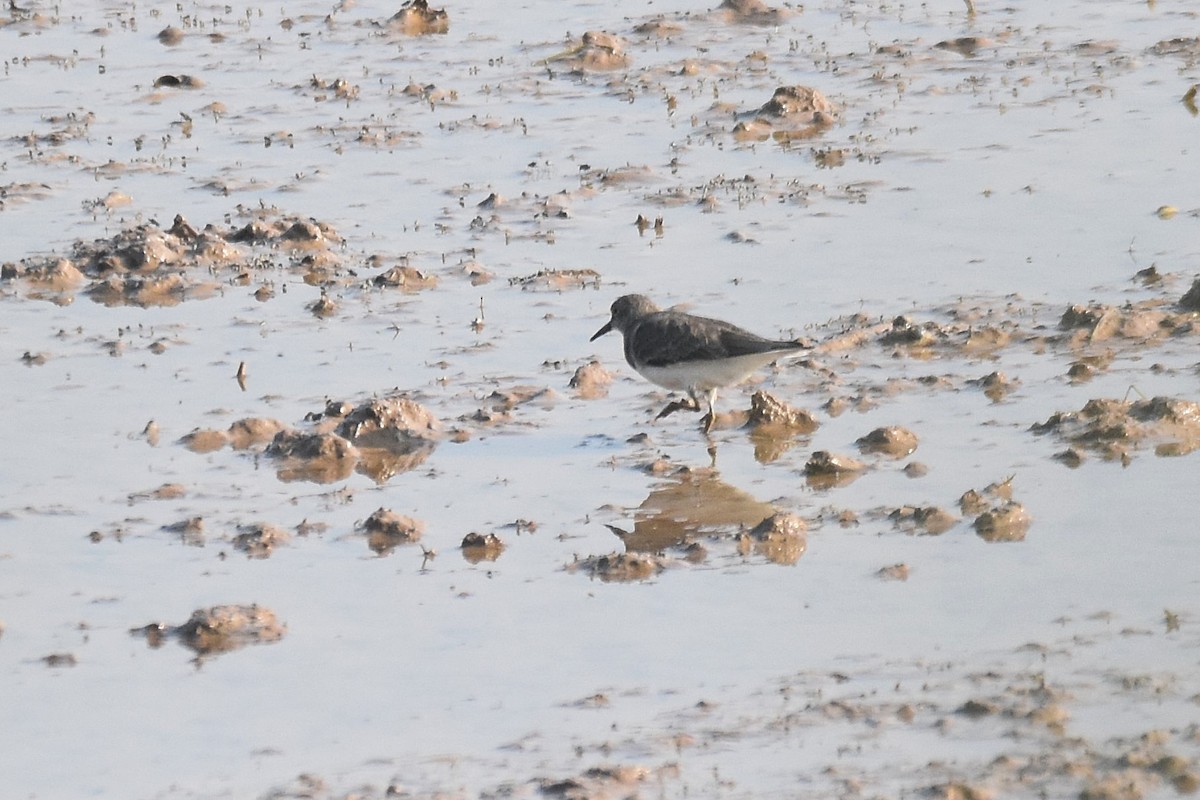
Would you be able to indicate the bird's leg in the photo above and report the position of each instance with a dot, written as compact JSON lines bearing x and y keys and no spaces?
{"x":690,"y":404}
{"x":706,"y":422}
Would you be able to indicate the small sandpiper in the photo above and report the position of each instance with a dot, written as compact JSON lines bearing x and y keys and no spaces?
{"x":684,"y":352}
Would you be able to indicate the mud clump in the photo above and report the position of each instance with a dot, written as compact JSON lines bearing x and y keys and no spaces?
{"x":1008,"y":522}
{"x":825,"y":470}
{"x":620,"y":567}
{"x":478,"y":547}
{"x":995,"y":385}
{"x":146,"y":266}
{"x":386,"y":530}
{"x":596,"y":51}
{"x":998,"y":517}
{"x":1110,"y":427}
{"x":246,"y":433}
{"x":597,"y":782}
{"x":416,"y":18}
{"x":904,"y":332}
{"x":316,"y":457}
{"x":923,"y":519}
{"x":890,"y":441}
{"x":190,"y":531}
{"x":1191,"y":299}
{"x":220,"y":629}
{"x":893,"y":572}
{"x":259,"y":540}
{"x":750,"y":12}
{"x":591,"y":381}
{"x":393,"y":435}
{"x":782,"y":538}
{"x":396,"y":423}
{"x":204,"y":440}
{"x":1098,"y":322}
{"x":558,"y":280}
{"x":770,"y":414}
{"x":406,"y":278}
{"x":775,"y":426}
{"x":792,"y":113}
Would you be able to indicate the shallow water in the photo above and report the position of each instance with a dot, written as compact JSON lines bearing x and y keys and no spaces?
{"x":1016,"y":181}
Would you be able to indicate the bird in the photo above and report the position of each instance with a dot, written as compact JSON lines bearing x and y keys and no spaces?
{"x":689,"y":353}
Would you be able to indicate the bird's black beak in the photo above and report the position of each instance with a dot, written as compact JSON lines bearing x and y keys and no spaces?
{"x":607,"y":327}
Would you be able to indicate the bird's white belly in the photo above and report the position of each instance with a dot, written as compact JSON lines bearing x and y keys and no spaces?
{"x":706,"y":375}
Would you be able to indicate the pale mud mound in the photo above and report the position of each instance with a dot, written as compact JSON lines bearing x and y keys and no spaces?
{"x":1113,"y":428}
{"x":220,"y":629}
{"x":145,"y":265}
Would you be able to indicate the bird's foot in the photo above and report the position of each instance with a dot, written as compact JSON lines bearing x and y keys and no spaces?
{"x":706,"y":422}
{"x":679,"y":405}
